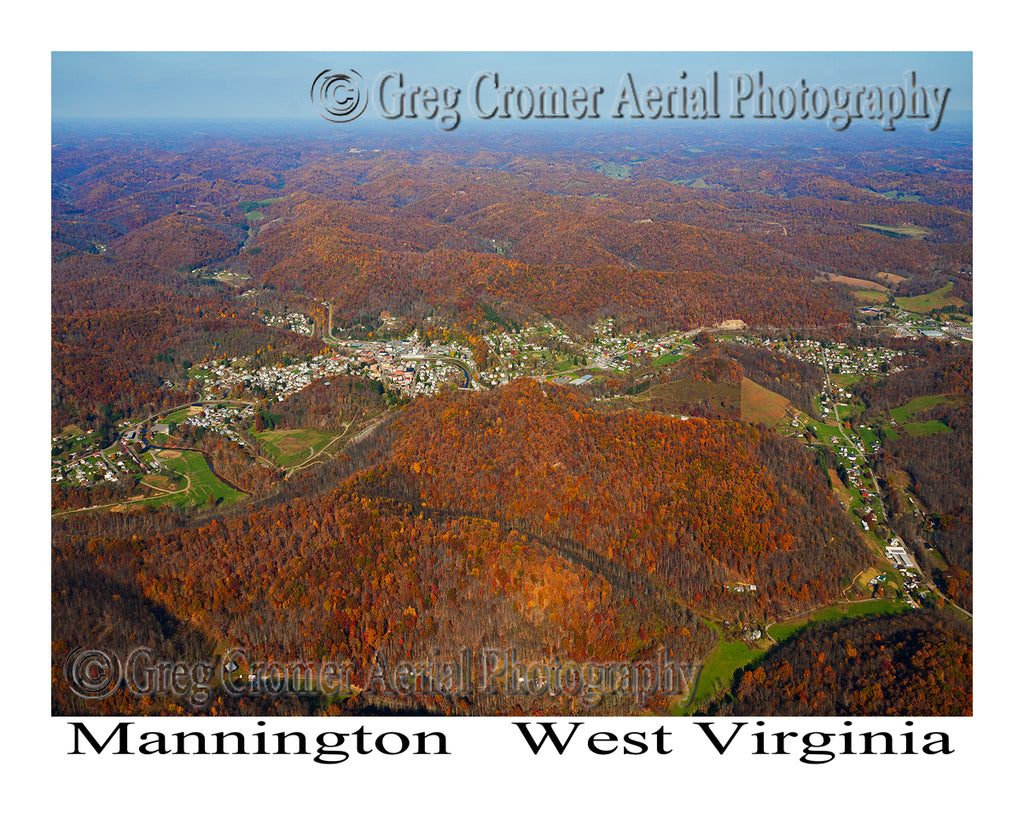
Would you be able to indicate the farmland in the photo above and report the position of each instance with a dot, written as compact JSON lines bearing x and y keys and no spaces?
{"x":291,"y":447}
{"x":760,"y":405}
{"x":935,"y":300}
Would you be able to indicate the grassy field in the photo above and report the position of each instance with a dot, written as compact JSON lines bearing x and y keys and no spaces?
{"x":673,"y":396}
{"x":760,"y":405}
{"x":902,"y":197}
{"x":938,"y":559}
{"x":824,"y":432}
{"x":782,"y":631}
{"x":176,"y":417}
{"x":904,"y":413}
{"x":850,"y":409}
{"x":903,"y":231}
{"x":167,"y":484}
{"x":846,"y":379}
{"x":915,"y":428}
{"x":250,"y":207}
{"x":667,"y":358}
{"x":717,"y":671}
{"x":563,"y":365}
{"x":716,"y":674}
{"x":290,"y":447}
{"x":871,"y":296}
{"x":930,"y":301}
{"x":727,"y":658}
{"x":202,"y":483}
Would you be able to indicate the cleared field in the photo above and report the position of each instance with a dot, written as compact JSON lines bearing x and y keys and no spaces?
{"x":717,"y":671}
{"x":937,"y":299}
{"x":938,"y":559}
{"x":901,"y":231}
{"x":916,"y":428}
{"x":727,"y":658}
{"x":871,"y":296}
{"x":782,"y":631}
{"x":897,"y":196}
{"x":760,"y":405}
{"x":904,"y":413}
{"x":692,"y":182}
{"x":202,"y":483}
{"x":162,"y":482}
{"x":675,"y":397}
{"x":290,"y":447}
{"x":837,"y":484}
{"x":850,"y":409}
{"x":867,"y":435}
{"x":823,"y":432}
{"x":902,"y":197}
{"x":860,"y":284}
{"x":177,"y":417}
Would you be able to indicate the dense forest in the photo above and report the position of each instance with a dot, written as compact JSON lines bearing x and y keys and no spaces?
{"x":509,"y":515}
{"x":917,"y":663}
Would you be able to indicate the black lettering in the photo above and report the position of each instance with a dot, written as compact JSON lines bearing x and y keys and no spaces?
{"x":603,"y":736}
{"x":548,"y":733}
{"x":707,"y":728}
{"x":941,"y":738}
{"x":121,"y":731}
{"x":639,"y":743}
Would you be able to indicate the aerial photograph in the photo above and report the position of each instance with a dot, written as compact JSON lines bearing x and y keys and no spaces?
{"x":511,"y":384}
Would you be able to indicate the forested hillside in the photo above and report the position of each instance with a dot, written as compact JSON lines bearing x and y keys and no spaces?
{"x":509,"y":518}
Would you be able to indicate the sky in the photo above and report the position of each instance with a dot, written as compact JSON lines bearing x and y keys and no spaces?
{"x":265,"y":85}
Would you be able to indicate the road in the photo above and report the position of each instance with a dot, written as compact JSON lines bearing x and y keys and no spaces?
{"x":468,"y":369}
{"x":147,"y":419}
{"x":366,"y":432}
{"x":849,"y":440}
{"x":881,"y":503}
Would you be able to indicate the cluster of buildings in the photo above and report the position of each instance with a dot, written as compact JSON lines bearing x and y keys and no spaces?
{"x":220,"y":418}
{"x":91,"y":469}
{"x":410,"y":365}
{"x":612,"y":352}
{"x":99,"y":467}
{"x":433,"y":375}
{"x":519,"y":352}
{"x":910,"y":325}
{"x":296,"y":322}
{"x":841,"y":358}
{"x":896,"y":554}
{"x":386,"y":362}
{"x":220,"y":378}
